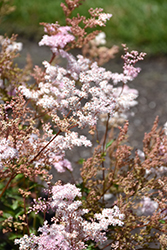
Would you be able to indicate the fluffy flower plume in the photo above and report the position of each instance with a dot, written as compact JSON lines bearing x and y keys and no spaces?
{"x":148,"y":206}
{"x":7,"y":152}
{"x":100,"y":39}
{"x":58,"y":40}
{"x":71,"y":231}
{"x":60,"y":91}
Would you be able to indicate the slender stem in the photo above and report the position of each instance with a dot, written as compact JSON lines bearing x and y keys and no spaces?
{"x":104,"y":142}
{"x":72,"y":177}
{"x":44,"y":216}
{"x":53,"y":137}
{"x":105,"y":136}
{"x":106,"y":246}
{"x":52,"y":58}
{"x":26,"y":219}
{"x":7,"y":184}
{"x":44,"y":147}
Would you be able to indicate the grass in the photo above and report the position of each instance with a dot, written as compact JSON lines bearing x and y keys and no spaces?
{"x":141,"y":24}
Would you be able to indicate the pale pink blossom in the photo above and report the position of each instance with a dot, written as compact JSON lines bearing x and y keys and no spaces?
{"x":59,"y":40}
{"x":61,"y":166}
{"x":7,"y":152}
{"x":148,"y":206}
{"x":69,"y":229}
{"x":129,"y":70}
{"x":125,"y":97}
{"x":100,"y":39}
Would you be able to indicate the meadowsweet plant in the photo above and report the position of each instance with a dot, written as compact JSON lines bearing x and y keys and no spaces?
{"x":120,"y":200}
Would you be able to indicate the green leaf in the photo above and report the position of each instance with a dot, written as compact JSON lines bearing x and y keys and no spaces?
{"x":81,"y":161}
{"x":109,"y":143}
{"x":116,"y":186}
{"x":162,"y":221}
{"x":83,"y":188}
{"x":7,"y":215}
{"x":103,"y":154}
{"x":15,"y":205}
{"x":15,"y":236}
{"x":91,"y":246}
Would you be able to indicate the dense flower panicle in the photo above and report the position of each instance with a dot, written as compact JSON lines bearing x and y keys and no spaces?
{"x":67,"y":191}
{"x":69,"y":229}
{"x":68,"y":141}
{"x":60,"y":92}
{"x":101,"y":17}
{"x":11,"y":45}
{"x":125,"y":97}
{"x":148,"y":206}
{"x":61,"y":166}
{"x":100,"y":39}
{"x":7,"y":152}
{"x":58,"y":40}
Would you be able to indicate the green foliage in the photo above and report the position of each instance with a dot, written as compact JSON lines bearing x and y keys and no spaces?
{"x":91,"y":246}
{"x":141,"y":24}
{"x":109,"y":143}
{"x":12,"y":205}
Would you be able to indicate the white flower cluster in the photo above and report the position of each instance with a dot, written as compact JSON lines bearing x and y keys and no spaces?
{"x":60,"y":91}
{"x":100,"y":39}
{"x":12,"y":46}
{"x":147,"y":206}
{"x":68,"y":141}
{"x":103,"y":17}
{"x":80,"y":92}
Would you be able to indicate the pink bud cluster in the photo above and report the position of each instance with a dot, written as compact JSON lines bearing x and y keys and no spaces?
{"x":129,"y":70}
{"x":101,"y":16}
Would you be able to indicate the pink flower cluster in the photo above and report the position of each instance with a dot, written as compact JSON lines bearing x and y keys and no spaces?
{"x":7,"y":152}
{"x":58,"y":40}
{"x":60,"y":93}
{"x":69,"y":229}
{"x":101,"y":16}
{"x":129,"y":70}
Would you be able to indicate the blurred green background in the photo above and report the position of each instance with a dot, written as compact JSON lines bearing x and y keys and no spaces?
{"x":141,"y":24}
